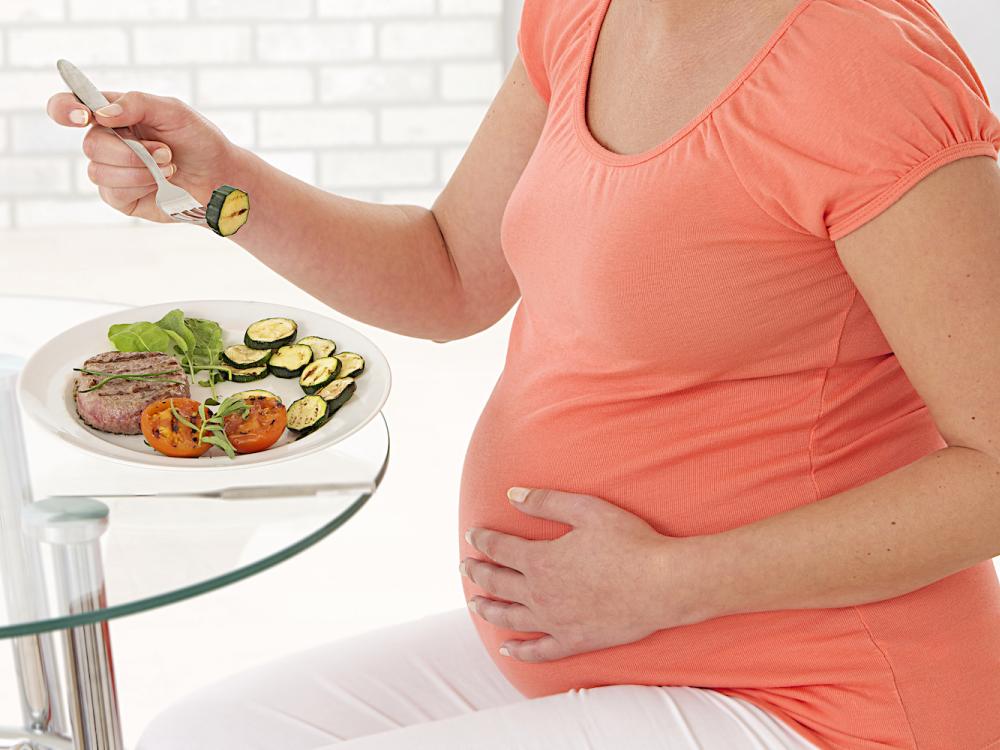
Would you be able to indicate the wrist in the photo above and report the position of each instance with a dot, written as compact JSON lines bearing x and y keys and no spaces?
{"x":226,"y":164}
{"x":706,"y":580}
{"x":239,"y":168}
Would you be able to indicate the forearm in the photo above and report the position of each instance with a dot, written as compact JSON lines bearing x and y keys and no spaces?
{"x":895,"y":534}
{"x":384,"y":265}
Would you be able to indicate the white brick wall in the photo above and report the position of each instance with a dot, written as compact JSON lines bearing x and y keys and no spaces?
{"x":316,"y":127}
{"x":371,"y":99}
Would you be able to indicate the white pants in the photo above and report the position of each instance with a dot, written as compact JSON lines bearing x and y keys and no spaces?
{"x":429,"y":684}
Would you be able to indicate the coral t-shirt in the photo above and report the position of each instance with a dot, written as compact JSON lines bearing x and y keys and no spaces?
{"x":689,"y":347}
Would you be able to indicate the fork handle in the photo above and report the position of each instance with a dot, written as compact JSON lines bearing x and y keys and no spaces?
{"x":91,"y":97}
{"x":142,"y":152}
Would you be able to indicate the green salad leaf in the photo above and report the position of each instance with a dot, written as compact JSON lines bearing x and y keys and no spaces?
{"x":196,"y":341}
{"x":207,"y":341}
{"x":175,"y":326}
{"x":141,"y":337}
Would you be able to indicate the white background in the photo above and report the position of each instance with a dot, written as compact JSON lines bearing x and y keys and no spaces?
{"x":371,"y":98}
{"x":374,"y":99}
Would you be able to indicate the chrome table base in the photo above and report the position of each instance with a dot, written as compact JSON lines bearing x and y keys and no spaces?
{"x":67,"y":532}
{"x":21,"y":740}
{"x":93,"y":699}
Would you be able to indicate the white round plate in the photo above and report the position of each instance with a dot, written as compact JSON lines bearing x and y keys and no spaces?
{"x":45,"y":386}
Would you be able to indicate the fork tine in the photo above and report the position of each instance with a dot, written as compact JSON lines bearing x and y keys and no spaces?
{"x":180,"y":204}
{"x":174,"y":200}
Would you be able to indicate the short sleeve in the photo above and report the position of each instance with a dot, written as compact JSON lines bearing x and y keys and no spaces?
{"x":855,"y":104}
{"x":530,"y":43}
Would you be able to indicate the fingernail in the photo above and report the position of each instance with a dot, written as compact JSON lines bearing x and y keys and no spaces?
{"x":111,"y":110}
{"x":504,"y":651}
{"x":517,"y":494}
{"x":472,"y":604}
{"x":79,"y":116}
{"x":468,"y":535}
{"x":168,"y":170}
{"x":461,"y":568}
{"x":162,"y":155}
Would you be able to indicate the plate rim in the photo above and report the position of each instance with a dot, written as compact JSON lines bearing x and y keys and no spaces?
{"x":120,"y":456}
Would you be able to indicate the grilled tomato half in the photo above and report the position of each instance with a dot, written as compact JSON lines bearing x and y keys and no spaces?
{"x":166,"y":425}
{"x":261,"y":428}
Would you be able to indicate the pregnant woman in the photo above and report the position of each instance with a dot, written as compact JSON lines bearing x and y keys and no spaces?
{"x":738,"y":484}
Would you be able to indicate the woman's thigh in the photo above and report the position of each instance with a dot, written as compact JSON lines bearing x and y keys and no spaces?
{"x":429,"y":683}
{"x":424,"y":670}
{"x":637,"y":717}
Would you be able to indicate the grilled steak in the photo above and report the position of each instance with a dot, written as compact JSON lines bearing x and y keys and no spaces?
{"x":117,"y":405}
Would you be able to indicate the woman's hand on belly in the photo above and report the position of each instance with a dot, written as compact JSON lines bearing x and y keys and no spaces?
{"x":612,"y":579}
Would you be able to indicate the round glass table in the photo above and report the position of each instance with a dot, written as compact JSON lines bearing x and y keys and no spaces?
{"x":84,"y":540}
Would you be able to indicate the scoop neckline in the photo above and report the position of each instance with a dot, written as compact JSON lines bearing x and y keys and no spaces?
{"x":586,"y":69}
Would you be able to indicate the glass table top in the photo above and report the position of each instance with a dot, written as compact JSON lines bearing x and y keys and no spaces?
{"x":158,"y":550}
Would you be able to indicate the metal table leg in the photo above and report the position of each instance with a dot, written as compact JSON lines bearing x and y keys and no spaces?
{"x":71,"y":529}
{"x":18,"y":740}
{"x":34,"y":655}
{"x":39,"y":682}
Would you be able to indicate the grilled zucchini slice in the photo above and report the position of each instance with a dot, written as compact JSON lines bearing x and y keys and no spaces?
{"x":307,"y":414}
{"x":321,"y":347}
{"x":247,"y":374}
{"x":289,"y":361}
{"x":354,"y":364}
{"x":257,"y":393}
{"x":270,"y":333}
{"x":337,"y":393}
{"x":228,"y":209}
{"x":318,"y":373}
{"x":242,"y":356}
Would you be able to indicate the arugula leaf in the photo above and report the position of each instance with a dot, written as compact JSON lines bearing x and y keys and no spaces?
{"x":207,"y":344}
{"x":173,"y":323}
{"x":197,"y":341}
{"x":180,"y":345}
{"x":140,"y":337}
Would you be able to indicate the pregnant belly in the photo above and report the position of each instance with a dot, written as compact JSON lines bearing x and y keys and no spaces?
{"x":700,"y":479}
{"x":637,"y":457}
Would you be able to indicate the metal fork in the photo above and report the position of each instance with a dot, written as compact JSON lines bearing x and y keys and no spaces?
{"x":176,"y":202}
